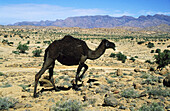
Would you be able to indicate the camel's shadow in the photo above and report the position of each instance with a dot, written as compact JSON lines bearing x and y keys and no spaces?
{"x":60,"y":88}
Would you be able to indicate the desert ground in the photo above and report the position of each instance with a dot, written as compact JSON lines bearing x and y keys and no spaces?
{"x":108,"y":84}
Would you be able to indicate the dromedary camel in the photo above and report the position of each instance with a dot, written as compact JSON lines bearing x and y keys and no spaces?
{"x":70,"y":51}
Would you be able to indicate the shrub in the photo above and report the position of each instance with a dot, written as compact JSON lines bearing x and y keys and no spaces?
{"x":130,"y":93}
{"x":15,"y":52}
{"x":22,"y":47}
{"x":163,"y":59}
{"x":150,"y":45}
{"x":6,"y":103}
{"x":112,"y":55}
{"x":148,"y":61}
{"x":4,"y":41}
{"x":37,"y":52}
{"x":46,"y":42}
{"x":24,"y":86}
{"x":158,"y":50}
{"x":6,"y":85}
{"x":132,"y":58}
{"x":149,"y":79}
{"x":69,"y":105}
{"x":151,"y":107}
{"x":141,"y":42}
{"x":136,"y":56}
{"x":159,"y":92}
{"x":28,"y":42}
{"x":121,"y":57}
{"x":152,"y":51}
{"x":2,"y":74}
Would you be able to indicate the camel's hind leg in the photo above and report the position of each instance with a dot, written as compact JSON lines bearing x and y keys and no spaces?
{"x":51,"y":76}
{"x":85,"y":69}
{"x":46,"y":64}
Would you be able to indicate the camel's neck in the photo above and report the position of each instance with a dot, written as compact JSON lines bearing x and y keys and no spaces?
{"x":96,"y":53}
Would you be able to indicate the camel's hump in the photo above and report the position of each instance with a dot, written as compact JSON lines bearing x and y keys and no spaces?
{"x":70,"y":38}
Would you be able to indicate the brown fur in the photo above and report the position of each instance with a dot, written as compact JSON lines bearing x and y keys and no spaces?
{"x":70,"y":51}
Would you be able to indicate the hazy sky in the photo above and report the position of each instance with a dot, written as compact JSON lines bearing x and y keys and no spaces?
{"x":12,"y":11}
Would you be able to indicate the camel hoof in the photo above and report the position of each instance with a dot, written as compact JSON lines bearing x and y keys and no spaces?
{"x":36,"y":96}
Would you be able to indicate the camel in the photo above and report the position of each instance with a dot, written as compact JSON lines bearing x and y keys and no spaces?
{"x":70,"y":51}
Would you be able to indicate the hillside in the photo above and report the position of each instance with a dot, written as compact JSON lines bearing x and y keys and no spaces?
{"x":103,"y":21}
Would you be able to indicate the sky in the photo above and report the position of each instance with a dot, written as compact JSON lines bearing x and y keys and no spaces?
{"x":12,"y":11}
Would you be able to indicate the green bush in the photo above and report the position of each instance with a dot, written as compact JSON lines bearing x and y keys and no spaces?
{"x":37,"y":52}
{"x":6,"y":103}
{"x":4,"y":85}
{"x":2,"y":74}
{"x":22,"y":47}
{"x":133,"y":59}
{"x":148,"y":61}
{"x":141,"y":42}
{"x":150,"y":45}
{"x":15,"y":52}
{"x":151,"y":107}
{"x":112,"y":55}
{"x":136,"y":56}
{"x":130,"y":93}
{"x":158,"y":50}
{"x":163,"y":58}
{"x":152,"y":51}
{"x":159,"y":92}
{"x":69,"y":105}
{"x":121,"y":57}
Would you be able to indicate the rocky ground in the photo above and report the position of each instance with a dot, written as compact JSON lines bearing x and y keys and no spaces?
{"x":108,"y":84}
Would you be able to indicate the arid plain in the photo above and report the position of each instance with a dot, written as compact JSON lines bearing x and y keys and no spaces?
{"x":107,"y":85}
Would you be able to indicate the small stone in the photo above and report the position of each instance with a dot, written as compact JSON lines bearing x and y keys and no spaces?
{"x":110,"y":101}
{"x":19,"y":105}
{"x":119,"y":72}
{"x":137,"y":85}
{"x":115,"y":92}
{"x":163,"y":71}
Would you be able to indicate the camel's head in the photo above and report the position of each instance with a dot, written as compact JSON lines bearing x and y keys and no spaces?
{"x":109,"y":44}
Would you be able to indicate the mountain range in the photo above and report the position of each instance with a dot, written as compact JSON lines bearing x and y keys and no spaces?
{"x":103,"y":21}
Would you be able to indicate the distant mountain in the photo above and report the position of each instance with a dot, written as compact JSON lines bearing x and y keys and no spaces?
{"x":104,"y":21}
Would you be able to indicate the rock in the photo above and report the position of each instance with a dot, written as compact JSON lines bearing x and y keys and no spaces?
{"x":119,"y":72}
{"x":116,"y":92}
{"x":19,"y":105}
{"x":137,"y":85}
{"x":166,"y":81}
{"x":110,"y":100}
{"x":102,"y":89}
{"x":163,"y":71}
{"x":28,"y":106}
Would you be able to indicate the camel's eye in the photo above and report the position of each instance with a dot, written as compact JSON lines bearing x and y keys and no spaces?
{"x":107,"y":44}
